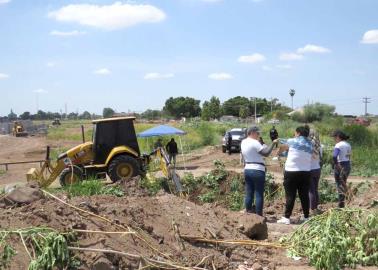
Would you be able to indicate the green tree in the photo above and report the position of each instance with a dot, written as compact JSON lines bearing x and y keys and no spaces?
{"x":232,"y":106}
{"x":41,"y":115}
{"x":25,"y":116}
{"x":86,"y":115}
{"x":318,"y":111}
{"x":152,"y":114}
{"x":244,"y":112}
{"x":12,"y":115}
{"x":182,"y":107}
{"x":107,"y":112}
{"x":211,"y":109}
{"x":314,"y":112}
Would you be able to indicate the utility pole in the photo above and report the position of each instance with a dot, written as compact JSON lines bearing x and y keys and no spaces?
{"x":366,"y":100}
{"x":271,"y":105}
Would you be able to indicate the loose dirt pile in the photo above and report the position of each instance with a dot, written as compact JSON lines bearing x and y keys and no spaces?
{"x":157,"y":221}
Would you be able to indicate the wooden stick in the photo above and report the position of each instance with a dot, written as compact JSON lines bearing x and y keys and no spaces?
{"x":231,"y":242}
{"x":134,"y":256}
{"x":101,"y":232}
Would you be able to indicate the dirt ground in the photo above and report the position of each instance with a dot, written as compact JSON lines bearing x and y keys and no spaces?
{"x":31,"y":148}
{"x":153,"y":219}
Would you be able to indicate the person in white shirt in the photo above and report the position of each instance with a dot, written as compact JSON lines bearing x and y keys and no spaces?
{"x":341,"y":161}
{"x":297,"y":173}
{"x":254,"y":169}
{"x":316,"y":157}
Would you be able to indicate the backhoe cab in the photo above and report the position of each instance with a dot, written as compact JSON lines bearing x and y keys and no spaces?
{"x":114,"y":150}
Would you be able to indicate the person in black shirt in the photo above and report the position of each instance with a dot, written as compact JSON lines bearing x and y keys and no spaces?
{"x":172,"y":151}
{"x":229,"y":142}
{"x":273,"y":133}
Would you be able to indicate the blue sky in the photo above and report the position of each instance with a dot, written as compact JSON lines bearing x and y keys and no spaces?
{"x":133,"y":55}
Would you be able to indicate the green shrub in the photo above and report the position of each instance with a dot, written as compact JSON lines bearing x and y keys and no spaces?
{"x":93,"y":187}
{"x":209,"y":197}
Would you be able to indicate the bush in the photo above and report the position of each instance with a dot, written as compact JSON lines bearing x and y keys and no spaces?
{"x":361,"y":135}
{"x":93,"y":187}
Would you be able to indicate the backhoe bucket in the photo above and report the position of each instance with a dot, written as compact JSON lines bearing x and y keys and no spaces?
{"x":32,"y":175}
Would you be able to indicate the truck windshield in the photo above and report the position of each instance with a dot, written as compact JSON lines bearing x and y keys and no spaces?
{"x":237,"y":133}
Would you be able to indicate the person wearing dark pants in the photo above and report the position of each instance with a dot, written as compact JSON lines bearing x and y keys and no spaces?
{"x":313,"y":190}
{"x":254,"y":184}
{"x":229,"y":143}
{"x":297,"y":173}
{"x":172,"y":151}
{"x":341,"y":175}
{"x":254,"y":169}
{"x":297,"y":182}
{"x":341,"y":161}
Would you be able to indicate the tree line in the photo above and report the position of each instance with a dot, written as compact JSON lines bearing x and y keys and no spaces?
{"x":188,"y":107}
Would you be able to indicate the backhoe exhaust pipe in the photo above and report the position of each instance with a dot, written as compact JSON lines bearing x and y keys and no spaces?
{"x":82,"y":133}
{"x":48,"y":153}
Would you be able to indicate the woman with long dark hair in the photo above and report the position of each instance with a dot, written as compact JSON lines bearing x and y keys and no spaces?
{"x":341,"y":161}
{"x":315,"y":171}
{"x":297,"y":172}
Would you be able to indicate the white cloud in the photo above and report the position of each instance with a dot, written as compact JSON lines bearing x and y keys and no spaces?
{"x":109,"y":17}
{"x":158,"y":76}
{"x":67,"y":33}
{"x":50,"y":64}
{"x":102,"y":71}
{"x":290,"y":56}
{"x":4,"y":1}
{"x":287,"y":66}
{"x":370,"y":37}
{"x":266,"y":68}
{"x":311,"y":48}
{"x":220,"y":76}
{"x":253,"y":58}
{"x":3,"y":76}
{"x":40,"y":91}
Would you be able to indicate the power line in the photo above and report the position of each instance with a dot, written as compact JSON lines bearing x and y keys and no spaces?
{"x":366,"y":100}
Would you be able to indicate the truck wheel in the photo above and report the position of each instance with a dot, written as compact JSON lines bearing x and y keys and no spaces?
{"x":123,"y":167}
{"x":69,"y":177}
{"x":224,"y":149}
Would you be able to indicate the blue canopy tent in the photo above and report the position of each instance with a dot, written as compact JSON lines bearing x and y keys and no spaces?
{"x":164,"y":130}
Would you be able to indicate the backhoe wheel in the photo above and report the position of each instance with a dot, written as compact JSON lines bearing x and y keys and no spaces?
{"x":69,"y":177}
{"x":123,"y":167}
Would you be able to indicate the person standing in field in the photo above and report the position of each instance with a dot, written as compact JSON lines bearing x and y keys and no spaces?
{"x":297,"y":173}
{"x":229,"y":142}
{"x":315,"y":171}
{"x":172,"y":151}
{"x":254,"y":169}
{"x":273,"y":133}
{"x":341,"y":160}
{"x":158,"y":144}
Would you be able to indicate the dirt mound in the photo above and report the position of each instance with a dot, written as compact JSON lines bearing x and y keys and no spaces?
{"x":158,"y":220}
{"x":22,"y":195}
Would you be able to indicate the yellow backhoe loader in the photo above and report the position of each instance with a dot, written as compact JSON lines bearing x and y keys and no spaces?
{"x":18,"y":129}
{"x":114,"y":151}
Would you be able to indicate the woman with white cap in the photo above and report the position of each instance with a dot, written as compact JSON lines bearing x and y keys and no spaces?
{"x":254,"y":170}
